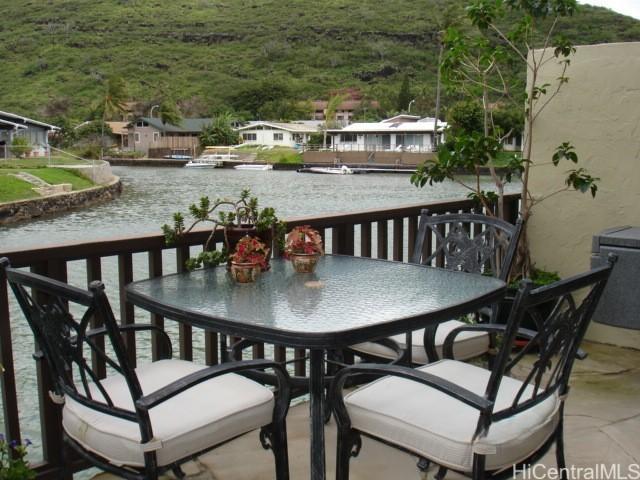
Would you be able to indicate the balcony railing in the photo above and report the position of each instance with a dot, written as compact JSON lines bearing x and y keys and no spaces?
{"x":385,"y":233}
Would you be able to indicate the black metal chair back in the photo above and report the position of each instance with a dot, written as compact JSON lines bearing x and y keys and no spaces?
{"x":468,"y":242}
{"x":562,"y":322}
{"x":64,"y":340}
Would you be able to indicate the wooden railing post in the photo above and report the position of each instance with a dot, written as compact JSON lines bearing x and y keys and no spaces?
{"x":94,"y":272}
{"x":185,"y":331}
{"x":127,"y":315}
{"x":155,"y":270}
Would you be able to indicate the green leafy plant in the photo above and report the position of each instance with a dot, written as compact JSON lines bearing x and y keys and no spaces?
{"x":20,"y":147}
{"x":223,"y":213}
{"x":476,"y":67}
{"x":13,"y":462}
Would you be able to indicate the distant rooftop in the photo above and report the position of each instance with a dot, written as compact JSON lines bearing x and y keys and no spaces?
{"x":399,"y":123}
{"x":302,"y":126}
{"x":188,"y":125}
{"x":12,"y":118}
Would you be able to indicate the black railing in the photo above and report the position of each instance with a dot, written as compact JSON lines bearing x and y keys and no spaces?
{"x":385,"y":233}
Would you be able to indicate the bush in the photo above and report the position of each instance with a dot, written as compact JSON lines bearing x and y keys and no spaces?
{"x":20,"y":147}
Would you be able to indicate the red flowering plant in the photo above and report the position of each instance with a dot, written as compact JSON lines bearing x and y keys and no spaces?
{"x":251,"y":250}
{"x":303,"y":240}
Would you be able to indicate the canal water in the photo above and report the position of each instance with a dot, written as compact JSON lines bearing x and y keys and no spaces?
{"x":150,"y":197}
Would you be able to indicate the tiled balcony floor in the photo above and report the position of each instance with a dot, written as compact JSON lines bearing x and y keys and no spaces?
{"x":602,"y":426}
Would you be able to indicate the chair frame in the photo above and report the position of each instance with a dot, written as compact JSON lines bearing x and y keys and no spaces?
{"x":61,"y":339}
{"x":473,"y":262}
{"x":560,"y":338}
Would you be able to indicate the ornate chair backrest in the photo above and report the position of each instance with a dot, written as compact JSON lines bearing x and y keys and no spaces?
{"x":62,"y":338}
{"x":468,"y":242}
{"x":563,"y":310}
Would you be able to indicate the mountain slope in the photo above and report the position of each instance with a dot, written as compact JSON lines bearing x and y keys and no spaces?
{"x":55,"y":53}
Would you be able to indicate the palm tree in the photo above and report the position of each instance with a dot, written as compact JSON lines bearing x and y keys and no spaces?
{"x":330,"y":114}
{"x":112,"y":103}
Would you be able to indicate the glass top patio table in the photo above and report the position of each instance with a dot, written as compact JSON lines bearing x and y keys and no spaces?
{"x":347,"y":300}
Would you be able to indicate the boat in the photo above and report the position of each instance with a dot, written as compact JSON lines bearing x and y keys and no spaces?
{"x":249,"y":166}
{"x":179,"y":154}
{"x":204,"y":161}
{"x":343,"y":170}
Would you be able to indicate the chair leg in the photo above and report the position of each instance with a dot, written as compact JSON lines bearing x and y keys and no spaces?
{"x":274,"y":437}
{"x":560,"y":460}
{"x":349,"y":444}
{"x":478,"y":467}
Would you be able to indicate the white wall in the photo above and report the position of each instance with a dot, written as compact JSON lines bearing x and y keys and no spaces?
{"x":598,"y":111}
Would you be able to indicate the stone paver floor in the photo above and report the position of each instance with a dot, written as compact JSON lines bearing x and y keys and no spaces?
{"x":602,"y":426}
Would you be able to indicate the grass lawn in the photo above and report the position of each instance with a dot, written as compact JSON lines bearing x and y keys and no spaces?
{"x":40,"y":162}
{"x":275,"y":155}
{"x":12,"y":188}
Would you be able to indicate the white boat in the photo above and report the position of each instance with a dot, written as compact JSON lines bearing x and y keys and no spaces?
{"x":343,"y":170}
{"x":204,"y":161}
{"x":248,"y":166}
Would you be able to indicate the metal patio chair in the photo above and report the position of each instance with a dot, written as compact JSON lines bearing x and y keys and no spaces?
{"x":461,"y":417}
{"x":466,"y":242}
{"x":140,"y":422}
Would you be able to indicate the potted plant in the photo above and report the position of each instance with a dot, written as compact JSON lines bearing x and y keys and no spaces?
{"x":248,"y":259}
{"x":237,"y":218}
{"x":13,"y":461}
{"x":303,"y":246}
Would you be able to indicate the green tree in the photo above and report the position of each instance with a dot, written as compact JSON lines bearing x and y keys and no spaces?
{"x":111,"y":103}
{"x":169,"y":113}
{"x":219,"y":132}
{"x":330,"y":115}
{"x":257,"y":94}
{"x":20,"y":146}
{"x":404,"y":95}
{"x":475,"y":65}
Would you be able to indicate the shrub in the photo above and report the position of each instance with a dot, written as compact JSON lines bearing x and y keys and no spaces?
{"x":20,"y":147}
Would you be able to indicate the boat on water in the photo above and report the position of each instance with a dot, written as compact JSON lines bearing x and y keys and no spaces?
{"x":179,"y":154}
{"x":343,"y":170}
{"x":204,"y":161}
{"x":249,"y":166}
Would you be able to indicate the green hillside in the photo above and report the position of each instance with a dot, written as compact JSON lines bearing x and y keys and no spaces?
{"x":55,"y":54}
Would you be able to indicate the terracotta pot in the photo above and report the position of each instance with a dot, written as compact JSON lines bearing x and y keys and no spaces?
{"x":304,"y":262}
{"x":244,"y":272}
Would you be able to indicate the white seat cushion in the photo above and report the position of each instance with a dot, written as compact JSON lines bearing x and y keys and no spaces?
{"x":466,"y":345}
{"x":432,"y":424}
{"x":203,"y":416}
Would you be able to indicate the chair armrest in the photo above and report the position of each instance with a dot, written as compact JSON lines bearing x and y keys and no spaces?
{"x":447,"y":346}
{"x":163,"y":394}
{"x":449,"y":388}
{"x":135,"y":327}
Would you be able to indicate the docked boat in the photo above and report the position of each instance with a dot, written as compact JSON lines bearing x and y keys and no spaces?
{"x":205,"y":161}
{"x":249,"y":166}
{"x":343,"y":170}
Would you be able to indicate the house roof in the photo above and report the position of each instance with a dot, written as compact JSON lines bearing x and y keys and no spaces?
{"x":19,"y":119}
{"x":118,"y":128}
{"x":188,"y":125}
{"x":302,"y":127}
{"x":387,"y":126}
{"x":6,"y":123}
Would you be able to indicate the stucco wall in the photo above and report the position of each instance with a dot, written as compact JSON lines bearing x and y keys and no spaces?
{"x":598,"y":111}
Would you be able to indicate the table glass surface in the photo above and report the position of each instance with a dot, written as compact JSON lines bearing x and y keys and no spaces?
{"x":343,"y":293}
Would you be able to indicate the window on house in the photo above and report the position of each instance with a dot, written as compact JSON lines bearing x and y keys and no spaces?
{"x":156,"y":137}
{"x":140,"y":124}
{"x":278,"y":137}
{"x":136,"y":137}
{"x":348,"y":138}
{"x":250,"y":137}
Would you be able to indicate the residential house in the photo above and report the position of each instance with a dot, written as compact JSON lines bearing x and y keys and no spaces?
{"x":278,"y":134}
{"x":346,"y":110}
{"x":12,"y":125}
{"x":402,"y":133}
{"x":154,"y":138}
{"x":120,"y":132}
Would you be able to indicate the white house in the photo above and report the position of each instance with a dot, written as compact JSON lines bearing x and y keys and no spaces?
{"x":278,"y":134}
{"x":408,"y":133}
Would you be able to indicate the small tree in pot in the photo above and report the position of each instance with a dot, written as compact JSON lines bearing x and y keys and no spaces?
{"x":237,"y":218}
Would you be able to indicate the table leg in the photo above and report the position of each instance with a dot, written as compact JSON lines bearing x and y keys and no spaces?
{"x":316,"y":411}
